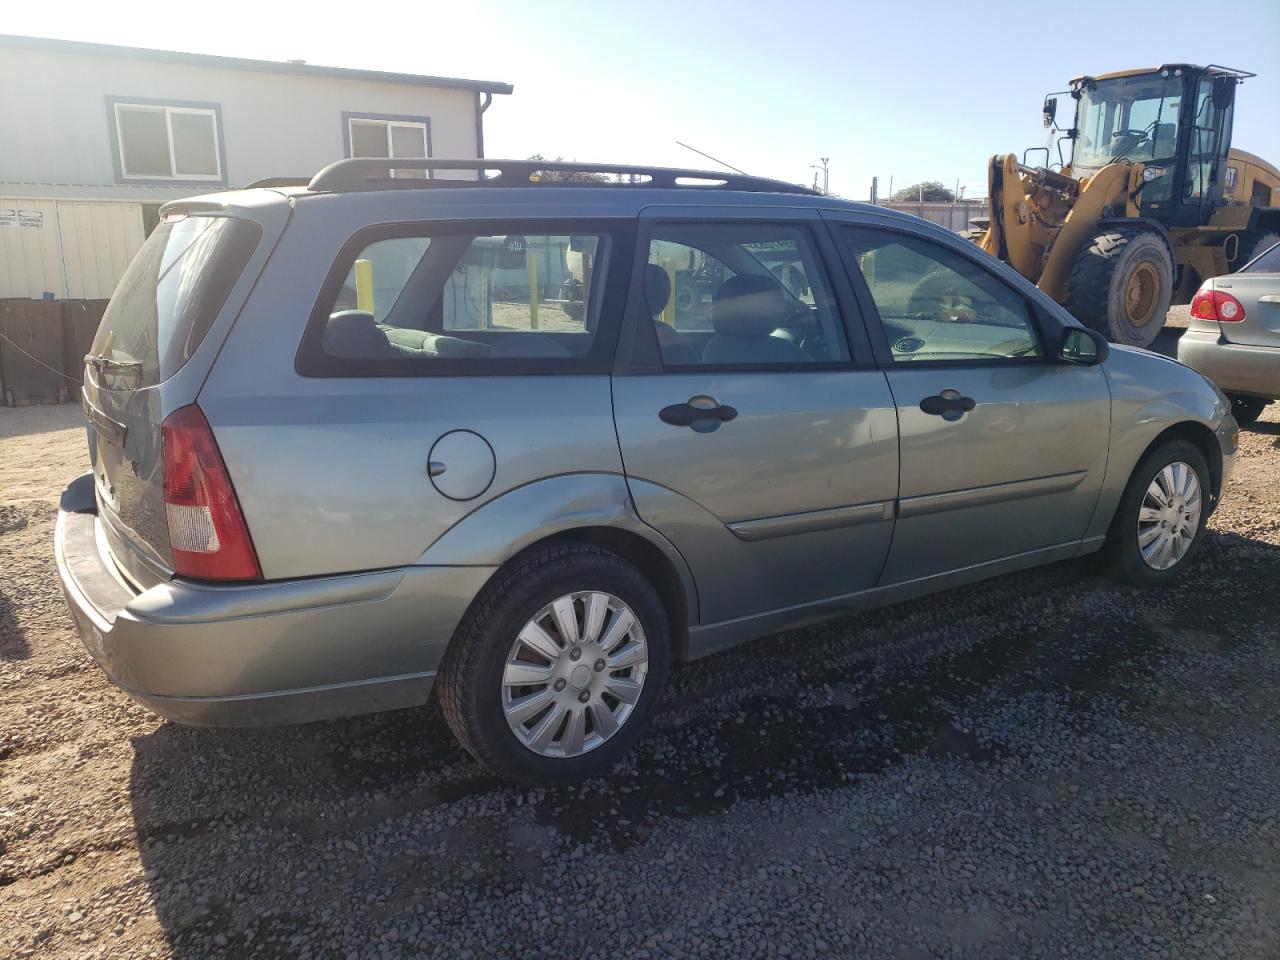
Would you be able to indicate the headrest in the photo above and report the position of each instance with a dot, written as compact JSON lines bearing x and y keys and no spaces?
{"x":657,"y":288}
{"x":748,"y":306}
{"x":354,"y":334}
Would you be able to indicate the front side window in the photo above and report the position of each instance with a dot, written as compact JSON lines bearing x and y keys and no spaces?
{"x":1210,"y":140}
{"x":460,"y":302}
{"x":160,"y":142}
{"x":740,"y":294}
{"x":936,"y":304}
{"x":403,"y":139}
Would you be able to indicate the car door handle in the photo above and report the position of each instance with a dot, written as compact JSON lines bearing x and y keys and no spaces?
{"x":949,"y":405}
{"x":702,"y":413}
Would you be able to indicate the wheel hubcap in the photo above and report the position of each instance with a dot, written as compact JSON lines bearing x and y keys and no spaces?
{"x":574,"y":674}
{"x":1140,"y":295}
{"x":1169,"y":516}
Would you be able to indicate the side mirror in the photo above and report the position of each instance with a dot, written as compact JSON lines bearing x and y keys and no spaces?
{"x":1050,"y":110}
{"x":1224,"y":91}
{"x":1083,"y":346}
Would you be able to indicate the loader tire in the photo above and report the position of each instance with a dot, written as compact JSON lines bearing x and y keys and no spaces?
{"x":1121,"y":284}
{"x":1252,"y":243}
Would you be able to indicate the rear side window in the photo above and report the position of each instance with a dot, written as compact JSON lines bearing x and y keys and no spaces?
{"x":740,"y":294}
{"x":1266,"y":262}
{"x":168,"y":298}
{"x":451,"y":301}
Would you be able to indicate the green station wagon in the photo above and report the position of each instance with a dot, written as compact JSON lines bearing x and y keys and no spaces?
{"x":528,"y":441}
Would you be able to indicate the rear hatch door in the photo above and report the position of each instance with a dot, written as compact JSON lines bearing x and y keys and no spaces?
{"x":168,"y":309}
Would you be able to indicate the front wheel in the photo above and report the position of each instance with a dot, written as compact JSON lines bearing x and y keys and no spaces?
{"x":1121,"y":284}
{"x":1159,"y":524}
{"x":554,"y":672}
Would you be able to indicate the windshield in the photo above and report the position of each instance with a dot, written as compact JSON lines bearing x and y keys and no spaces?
{"x":1134,"y":118}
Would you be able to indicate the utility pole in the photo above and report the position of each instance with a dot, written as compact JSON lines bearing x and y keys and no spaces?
{"x":875,"y":190}
{"x":826,"y":181}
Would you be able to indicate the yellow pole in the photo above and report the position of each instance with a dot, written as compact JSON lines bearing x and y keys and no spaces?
{"x":532,"y":259}
{"x":364,"y":285}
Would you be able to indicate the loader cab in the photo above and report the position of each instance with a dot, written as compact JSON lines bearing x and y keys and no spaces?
{"x":1175,"y":120}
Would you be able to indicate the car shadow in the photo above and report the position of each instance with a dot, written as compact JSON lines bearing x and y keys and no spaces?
{"x":13,"y":639}
{"x":250,"y":839}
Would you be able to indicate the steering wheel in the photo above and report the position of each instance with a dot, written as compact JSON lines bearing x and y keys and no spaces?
{"x":1126,"y":140}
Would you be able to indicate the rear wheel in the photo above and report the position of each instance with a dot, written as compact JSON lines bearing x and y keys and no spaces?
{"x":1121,"y":284}
{"x":1247,"y":409}
{"x":1251,"y":243}
{"x":554,"y":672}
{"x":1159,"y":524}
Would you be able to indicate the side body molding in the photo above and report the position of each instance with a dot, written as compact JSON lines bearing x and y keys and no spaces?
{"x":500,"y":528}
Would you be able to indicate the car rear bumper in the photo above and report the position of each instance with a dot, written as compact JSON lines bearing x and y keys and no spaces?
{"x":252,"y":654}
{"x":1235,"y":368}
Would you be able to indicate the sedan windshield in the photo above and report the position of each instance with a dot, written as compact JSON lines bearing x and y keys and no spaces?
{"x":1133,"y":118}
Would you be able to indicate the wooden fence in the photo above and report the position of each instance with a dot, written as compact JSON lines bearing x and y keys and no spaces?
{"x":42,"y":348}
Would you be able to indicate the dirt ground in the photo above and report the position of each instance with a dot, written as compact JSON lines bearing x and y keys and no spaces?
{"x":1047,"y":765}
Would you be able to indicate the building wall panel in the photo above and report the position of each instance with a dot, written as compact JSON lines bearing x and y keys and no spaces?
{"x":29,"y":261}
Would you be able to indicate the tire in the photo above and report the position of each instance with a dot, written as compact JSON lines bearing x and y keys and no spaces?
{"x":1128,"y":526}
{"x":1251,"y":243}
{"x":1246,"y":409}
{"x":474,"y":694}
{"x":1121,"y":284}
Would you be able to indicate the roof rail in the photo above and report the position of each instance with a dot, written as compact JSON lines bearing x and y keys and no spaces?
{"x":1230,"y":71}
{"x":374,"y":173}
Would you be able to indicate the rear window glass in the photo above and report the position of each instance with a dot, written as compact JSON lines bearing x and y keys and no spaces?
{"x":462,"y":302}
{"x":1266,"y":262}
{"x":168,"y":298}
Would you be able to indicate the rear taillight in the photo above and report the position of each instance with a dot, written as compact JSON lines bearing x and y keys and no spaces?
{"x":206,"y":528}
{"x":1211,"y":304}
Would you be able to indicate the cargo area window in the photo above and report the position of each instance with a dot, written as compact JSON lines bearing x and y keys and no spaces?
{"x":463,"y":302}
{"x":167,"y":141}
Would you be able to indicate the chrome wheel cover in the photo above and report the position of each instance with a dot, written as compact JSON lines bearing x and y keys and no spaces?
{"x":1169,"y":516}
{"x":574,"y":674}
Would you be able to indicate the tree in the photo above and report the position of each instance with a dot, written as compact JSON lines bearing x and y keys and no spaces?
{"x":932,"y":191}
{"x":566,"y":176}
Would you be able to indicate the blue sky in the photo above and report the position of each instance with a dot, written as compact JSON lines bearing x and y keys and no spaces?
{"x":925,"y":90}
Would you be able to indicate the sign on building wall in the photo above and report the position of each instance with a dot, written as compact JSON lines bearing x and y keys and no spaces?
{"x":13,"y":217}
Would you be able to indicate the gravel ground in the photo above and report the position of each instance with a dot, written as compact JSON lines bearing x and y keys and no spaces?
{"x":1043,"y":766}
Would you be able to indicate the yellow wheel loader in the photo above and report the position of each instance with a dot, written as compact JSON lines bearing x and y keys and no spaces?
{"x":1152,"y":201}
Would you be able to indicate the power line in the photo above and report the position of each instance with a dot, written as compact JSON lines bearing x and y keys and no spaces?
{"x":713,"y":159}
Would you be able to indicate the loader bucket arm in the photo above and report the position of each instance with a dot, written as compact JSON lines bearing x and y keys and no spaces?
{"x":1009,"y":234}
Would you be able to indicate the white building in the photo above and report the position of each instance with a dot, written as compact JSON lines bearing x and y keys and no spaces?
{"x":96,"y":137}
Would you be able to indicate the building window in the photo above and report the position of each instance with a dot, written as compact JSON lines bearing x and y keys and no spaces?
{"x":391,"y":137}
{"x":163,"y":142}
